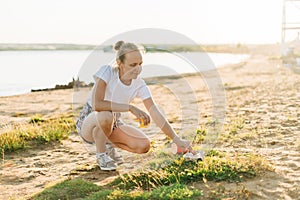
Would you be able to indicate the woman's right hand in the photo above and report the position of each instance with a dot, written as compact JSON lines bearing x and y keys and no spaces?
{"x":140,"y":115}
{"x":181,"y":143}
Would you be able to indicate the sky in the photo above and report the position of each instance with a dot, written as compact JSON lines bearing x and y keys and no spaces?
{"x":95,"y":21}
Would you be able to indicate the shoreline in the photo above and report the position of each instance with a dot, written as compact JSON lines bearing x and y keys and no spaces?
{"x":148,"y":80}
{"x":6,"y":92}
{"x":230,"y":47}
{"x":11,"y":116}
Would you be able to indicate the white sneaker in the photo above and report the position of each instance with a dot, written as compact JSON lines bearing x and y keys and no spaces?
{"x":105,"y":162}
{"x":113,"y":153}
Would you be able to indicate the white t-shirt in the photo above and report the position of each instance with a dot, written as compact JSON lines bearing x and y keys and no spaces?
{"x":118,"y":92}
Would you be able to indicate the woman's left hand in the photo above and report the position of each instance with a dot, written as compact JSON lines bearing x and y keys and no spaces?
{"x":140,"y":115}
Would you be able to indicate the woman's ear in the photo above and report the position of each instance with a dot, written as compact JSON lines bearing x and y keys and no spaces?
{"x":119,"y":62}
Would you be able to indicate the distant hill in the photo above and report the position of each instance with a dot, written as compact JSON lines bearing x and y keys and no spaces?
{"x":219,"y":48}
{"x":15,"y":47}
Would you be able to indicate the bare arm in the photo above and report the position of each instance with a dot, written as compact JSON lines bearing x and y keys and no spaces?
{"x":163,"y":123}
{"x":98,"y":102}
{"x":158,"y":118}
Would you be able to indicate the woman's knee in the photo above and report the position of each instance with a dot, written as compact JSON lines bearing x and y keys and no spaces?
{"x":143,"y":147}
{"x":105,"y":121}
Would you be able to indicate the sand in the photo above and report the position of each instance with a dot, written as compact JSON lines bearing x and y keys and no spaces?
{"x":260,"y":91}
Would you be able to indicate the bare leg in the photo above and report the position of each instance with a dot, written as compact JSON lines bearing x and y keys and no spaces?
{"x":99,"y":139}
{"x":130,"y":139}
{"x":96,"y":127}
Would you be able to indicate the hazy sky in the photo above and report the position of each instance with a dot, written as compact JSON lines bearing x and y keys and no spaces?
{"x":94,"y":21}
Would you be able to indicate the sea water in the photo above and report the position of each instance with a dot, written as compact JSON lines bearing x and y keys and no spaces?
{"x":22,"y":71}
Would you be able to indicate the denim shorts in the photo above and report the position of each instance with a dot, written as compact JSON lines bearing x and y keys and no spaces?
{"x":86,"y":110}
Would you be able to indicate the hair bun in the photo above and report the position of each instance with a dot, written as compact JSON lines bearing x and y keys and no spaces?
{"x":118,"y":45}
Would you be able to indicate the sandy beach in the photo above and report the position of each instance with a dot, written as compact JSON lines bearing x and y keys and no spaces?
{"x":260,"y":91}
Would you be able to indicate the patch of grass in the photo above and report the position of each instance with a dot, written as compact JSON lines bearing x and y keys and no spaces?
{"x":235,"y":131}
{"x":170,"y":182}
{"x":69,"y":189}
{"x":37,"y":131}
{"x":200,"y":135}
{"x":236,"y":125}
{"x":36,"y":119}
{"x":81,"y":189}
{"x":161,"y":160}
{"x":104,"y":194}
{"x":215,"y":167}
{"x":175,"y":191}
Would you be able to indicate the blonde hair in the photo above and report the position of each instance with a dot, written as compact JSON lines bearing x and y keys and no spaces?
{"x":124,"y":47}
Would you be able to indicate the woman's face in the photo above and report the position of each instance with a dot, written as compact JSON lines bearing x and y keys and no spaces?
{"x":131,"y":67}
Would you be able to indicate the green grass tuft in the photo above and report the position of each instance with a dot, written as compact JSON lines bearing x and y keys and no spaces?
{"x":36,"y":119}
{"x":175,"y":191}
{"x":37,"y":131}
{"x":69,"y":189}
{"x":80,"y":189}
{"x":215,"y":167}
